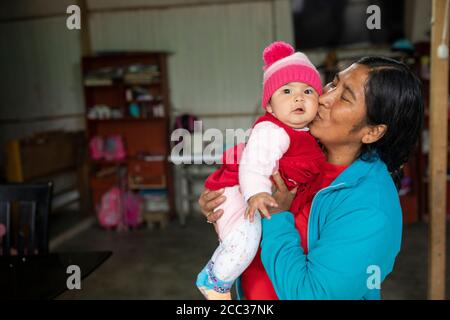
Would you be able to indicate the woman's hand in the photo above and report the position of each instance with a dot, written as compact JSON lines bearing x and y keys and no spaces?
{"x":281,"y":194}
{"x":209,"y":201}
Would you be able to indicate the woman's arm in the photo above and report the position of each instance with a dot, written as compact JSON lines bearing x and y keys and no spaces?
{"x":337,"y":266}
{"x":210,"y":200}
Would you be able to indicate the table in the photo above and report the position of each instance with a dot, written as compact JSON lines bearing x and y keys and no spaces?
{"x":44,"y":276}
{"x":190,"y":170}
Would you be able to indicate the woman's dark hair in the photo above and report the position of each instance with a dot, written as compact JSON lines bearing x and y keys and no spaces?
{"x":393,"y":97}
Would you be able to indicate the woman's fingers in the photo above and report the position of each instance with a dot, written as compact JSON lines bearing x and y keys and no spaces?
{"x":284,"y":200}
{"x":201,"y":199}
{"x":264,"y":212}
{"x":279,"y":183}
{"x":213,"y":217}
{"x":271,"y":201}
{"x":208,"y":195}
{"x":211,"y":195}
{"x":250,"y":213}
{"x":273,"y":188}
{"x":213,"y":204}
{"x":210,"y":200}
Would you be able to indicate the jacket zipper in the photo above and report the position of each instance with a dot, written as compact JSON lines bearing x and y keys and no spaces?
{"x":311,"y":210}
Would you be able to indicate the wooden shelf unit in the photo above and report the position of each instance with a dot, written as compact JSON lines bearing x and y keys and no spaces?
{"x":141,"y":135}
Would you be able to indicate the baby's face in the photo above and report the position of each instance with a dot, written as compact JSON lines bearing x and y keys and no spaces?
{"x":294,"y":104}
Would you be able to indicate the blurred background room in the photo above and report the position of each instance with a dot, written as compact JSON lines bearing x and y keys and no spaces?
{"x":92,"y":91}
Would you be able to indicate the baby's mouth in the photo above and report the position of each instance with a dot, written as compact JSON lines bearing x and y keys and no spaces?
{"x":299,"y":110}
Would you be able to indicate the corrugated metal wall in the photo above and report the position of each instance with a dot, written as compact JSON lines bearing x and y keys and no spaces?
{"x":40,"y":67}
{"x":215,"y":67}
{"x":216,"y":63}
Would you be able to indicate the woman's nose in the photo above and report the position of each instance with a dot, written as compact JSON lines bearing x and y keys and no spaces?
{"x":326,"y":100}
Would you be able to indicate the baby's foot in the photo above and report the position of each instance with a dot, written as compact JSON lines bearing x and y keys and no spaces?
{"x":207,"y":288}
{"x":214,"y":295}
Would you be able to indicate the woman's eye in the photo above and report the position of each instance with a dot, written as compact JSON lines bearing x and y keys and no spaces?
{"x":287,"y":91}
{"x":330,"y":85}
{"x":345,"y":99}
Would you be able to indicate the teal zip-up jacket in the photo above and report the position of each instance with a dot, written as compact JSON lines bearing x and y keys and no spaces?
{"x":354,"y":236}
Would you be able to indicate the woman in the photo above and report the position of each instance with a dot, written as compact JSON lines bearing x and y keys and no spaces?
{"x":368,"y":121}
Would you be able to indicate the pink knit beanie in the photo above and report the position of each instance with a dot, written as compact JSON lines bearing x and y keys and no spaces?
{"x":283,"y":65}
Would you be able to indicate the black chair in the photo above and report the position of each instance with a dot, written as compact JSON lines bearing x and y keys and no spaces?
{"x":24,"y":211}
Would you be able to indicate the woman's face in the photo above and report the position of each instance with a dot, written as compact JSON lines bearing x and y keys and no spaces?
{"x":342,"y":109}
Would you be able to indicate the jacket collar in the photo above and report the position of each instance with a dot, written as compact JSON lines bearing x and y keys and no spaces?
{"x":357,"y":171}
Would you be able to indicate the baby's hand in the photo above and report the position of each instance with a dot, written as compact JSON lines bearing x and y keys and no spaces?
{"x":259,"y":202}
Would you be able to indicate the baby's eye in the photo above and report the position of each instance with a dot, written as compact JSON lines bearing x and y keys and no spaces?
{"x":286,"y":91}
{"x":309,"y":91}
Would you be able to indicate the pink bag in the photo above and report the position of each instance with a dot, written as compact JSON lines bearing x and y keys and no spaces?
{"x":110,"y":148}
{"x":96,"y":147}
{"x":114,"y":148}
{"x":132,"y":205}
{"x":109,"y":213}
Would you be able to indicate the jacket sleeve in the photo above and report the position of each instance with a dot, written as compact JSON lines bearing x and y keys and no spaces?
{"x":340,"y":264}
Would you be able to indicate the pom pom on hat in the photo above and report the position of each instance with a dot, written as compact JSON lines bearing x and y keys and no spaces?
{"x":276,"y":51}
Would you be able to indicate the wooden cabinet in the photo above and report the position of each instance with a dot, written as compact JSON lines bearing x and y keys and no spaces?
{"x":127,"y":95}
{"x":52,"y":155}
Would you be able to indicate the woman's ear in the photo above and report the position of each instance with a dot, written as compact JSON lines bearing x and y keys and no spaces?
{"x":374,"y":133}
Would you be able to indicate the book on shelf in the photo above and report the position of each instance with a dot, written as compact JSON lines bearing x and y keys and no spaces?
{"x":103,"y":76}
{"x":140,"y":80}
{"x":154,"y":158}
{"x":138,"y":94}
{"x":141,"y":74}
{"x":150,"y":157}
{"x":97,"y":82}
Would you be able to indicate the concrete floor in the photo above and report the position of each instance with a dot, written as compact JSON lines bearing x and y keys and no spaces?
{"x":162,"y":264}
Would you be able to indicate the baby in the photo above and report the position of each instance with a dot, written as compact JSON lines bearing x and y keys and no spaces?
{"x":279,"y":141}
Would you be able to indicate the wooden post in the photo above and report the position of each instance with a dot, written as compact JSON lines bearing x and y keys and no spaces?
{"x":86,"y":205}
{"x":437,"y":158}
{"x":85,"y":32}
{"x":14,"y":171}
